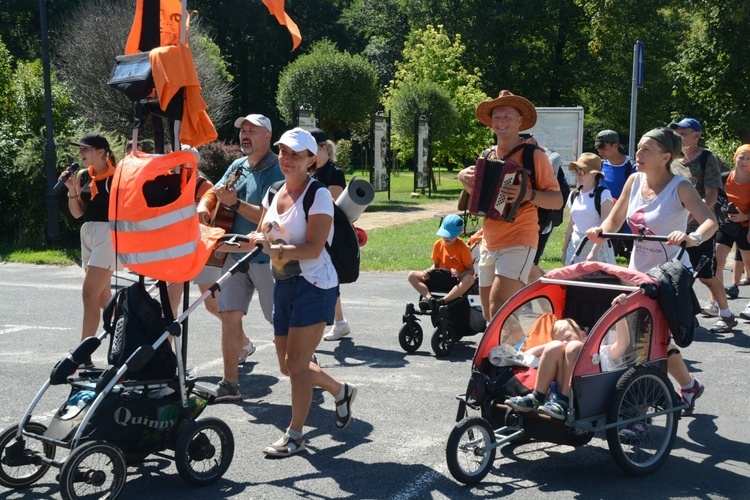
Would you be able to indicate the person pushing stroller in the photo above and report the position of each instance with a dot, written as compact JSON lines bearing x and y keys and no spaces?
{"x":452,"y":268}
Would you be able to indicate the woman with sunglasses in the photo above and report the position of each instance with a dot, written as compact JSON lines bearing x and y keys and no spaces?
{"x":589,"y":205}
{"x":656,"y":201}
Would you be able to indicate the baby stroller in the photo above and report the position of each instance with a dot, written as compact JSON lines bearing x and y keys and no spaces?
{"x":453,"y":321}
{"x":140,"y":405}
{"x":629,"y":396}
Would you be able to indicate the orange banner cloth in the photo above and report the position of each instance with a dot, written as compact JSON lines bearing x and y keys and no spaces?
{"x":170,"y":18}
{"x":172,"y":68}
{"x":276,"y":8}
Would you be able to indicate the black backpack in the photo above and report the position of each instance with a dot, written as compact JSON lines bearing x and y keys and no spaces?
{"x":344,"y":248}
{"x":133,"y":318}
{"x":677,"y":300}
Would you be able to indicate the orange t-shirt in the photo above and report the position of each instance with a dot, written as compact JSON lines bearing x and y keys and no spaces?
{"x":739,"y":194}
{"x":456,"y":256}
{"x":524,"y":230}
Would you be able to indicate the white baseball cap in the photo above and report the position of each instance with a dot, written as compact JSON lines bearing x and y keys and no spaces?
{"x":298,"y":139}
{"x":259,"y":120}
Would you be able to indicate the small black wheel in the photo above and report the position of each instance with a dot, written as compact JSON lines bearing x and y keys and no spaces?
{"x":467,"y":453}
{"x":28,"y":471}
{"x":96,"y":469}
{"x":204,"y":451}
{"x":641,"y":447}
{"x":410,"y":336}
{"x":443,"y":341}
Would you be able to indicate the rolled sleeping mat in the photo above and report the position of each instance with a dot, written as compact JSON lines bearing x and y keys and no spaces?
{"x":357,"y":195}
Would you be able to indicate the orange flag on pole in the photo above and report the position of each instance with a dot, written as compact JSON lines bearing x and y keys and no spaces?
{"x":156,"y":24}
{"x":276,"y":8}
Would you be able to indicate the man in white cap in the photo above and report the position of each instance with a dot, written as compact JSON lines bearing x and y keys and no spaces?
{"x":242,"y":189}
{"x":508,"y":248}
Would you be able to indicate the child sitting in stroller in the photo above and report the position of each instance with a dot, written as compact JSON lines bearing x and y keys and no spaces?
{"x":452,"y":270}
{"x":557,"y":359}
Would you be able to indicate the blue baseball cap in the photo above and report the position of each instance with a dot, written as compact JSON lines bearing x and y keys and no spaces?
{"x":451,"y":226}
{"x":690,"y":123}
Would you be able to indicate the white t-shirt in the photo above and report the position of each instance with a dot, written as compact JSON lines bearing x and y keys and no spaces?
{"x":290,"y":228}
{"x":583,"y":210}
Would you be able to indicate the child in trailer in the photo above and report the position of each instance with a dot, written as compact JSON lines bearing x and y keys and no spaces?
{"x":557,"y":359}
{"x":452,"y":268}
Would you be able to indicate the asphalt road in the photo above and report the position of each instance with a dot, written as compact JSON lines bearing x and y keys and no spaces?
{"x":404,"y":412}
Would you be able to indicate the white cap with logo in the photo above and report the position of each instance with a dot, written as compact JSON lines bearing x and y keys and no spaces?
{"x":298,"y":139}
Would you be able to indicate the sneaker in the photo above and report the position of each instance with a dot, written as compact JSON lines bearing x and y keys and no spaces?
{"x":424,"y":304}
{"x":246,"y":351}
{"x":284,"y":447}
{"x":227,"y":391}
{"x":344,"y":407}
{"x":555,"y":409}
{"x":724,"y":325}
{"x":711,"y":309}
{"x":523,"y":403}
{"x":338,"y":330}
{"x":733,"y":291}
{"x":690,"y":395}
{"x":633,"y":432}
{"x":435,"y":303}
{"x":746,"y":313}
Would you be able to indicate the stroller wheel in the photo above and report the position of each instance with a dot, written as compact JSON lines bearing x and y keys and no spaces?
{"x":410,"y":336}
{"x":204,"y":451}
{"x":443,"y":341}
{"x":469,"y":452}
{"x":20,"y":467}
{"x":96,"y":468}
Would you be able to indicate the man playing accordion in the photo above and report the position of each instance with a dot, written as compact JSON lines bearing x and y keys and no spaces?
{"x":508,"y":248}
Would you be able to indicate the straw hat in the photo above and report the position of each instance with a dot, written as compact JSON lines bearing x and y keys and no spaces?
{"x":506,"y":98}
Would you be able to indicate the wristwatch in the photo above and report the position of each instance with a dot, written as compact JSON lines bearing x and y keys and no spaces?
{"x":698,"y":236}
{"x":236,"y":206}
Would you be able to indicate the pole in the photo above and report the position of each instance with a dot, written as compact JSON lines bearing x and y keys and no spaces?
{"x":638,"y":54}
{"x":50,"y":156}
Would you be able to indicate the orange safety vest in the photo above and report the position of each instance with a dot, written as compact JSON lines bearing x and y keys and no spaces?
{"x":153,"y":219}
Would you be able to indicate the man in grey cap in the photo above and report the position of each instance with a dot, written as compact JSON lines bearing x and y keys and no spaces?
{"x":703,"y":169}
{"x":241,"y":189}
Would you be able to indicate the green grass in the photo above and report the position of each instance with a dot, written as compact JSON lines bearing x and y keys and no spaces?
{"x":398,"y":248}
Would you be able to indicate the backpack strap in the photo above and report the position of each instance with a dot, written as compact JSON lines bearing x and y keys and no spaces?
{"x":628,"y":168}
{"x":598,"y":190}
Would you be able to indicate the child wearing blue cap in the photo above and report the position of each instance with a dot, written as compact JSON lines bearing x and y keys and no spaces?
{"x":452,"y":268}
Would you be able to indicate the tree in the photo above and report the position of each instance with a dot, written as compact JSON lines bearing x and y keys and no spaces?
{"x":86,"y":53}
{"x":341,"y":85}
{"x":431,"y":56}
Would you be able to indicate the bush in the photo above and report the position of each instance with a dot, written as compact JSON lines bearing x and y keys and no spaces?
{"x":344,"y":153}
{"x":216,"y":157}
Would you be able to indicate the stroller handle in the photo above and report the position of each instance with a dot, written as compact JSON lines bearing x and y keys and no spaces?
{"x":625,"y":236}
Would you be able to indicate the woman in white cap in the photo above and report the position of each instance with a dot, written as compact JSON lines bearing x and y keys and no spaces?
{"x":88,"y":196}
{"x":306,"y":284}
{"x":590,"y":204}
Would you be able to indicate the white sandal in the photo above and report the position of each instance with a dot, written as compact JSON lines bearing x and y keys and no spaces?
{"x":285,"y":447}
{"x":248,"y":349}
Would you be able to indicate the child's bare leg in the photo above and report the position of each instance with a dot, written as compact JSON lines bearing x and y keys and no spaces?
{"x":459,"y":290}
{"x":572,"y":350}
{"x":551,"y":365}
{"x":417,"y":280}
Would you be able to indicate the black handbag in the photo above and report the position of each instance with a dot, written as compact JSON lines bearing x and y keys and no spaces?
{"x":730,"y":228}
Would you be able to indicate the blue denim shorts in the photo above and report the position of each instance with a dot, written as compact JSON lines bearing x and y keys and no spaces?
{"x":299,"y":303}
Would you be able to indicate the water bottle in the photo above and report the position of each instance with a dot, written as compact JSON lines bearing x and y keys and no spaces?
{"x":552,"y":396}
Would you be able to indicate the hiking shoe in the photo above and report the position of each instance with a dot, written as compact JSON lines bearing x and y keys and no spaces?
{"x":711,"y":309}
{"x":424,"y":304}
{"x":284,"y":447}
{"x":690,"y":395}
{"x":745,"y":314}
{"x":724,"y":325}
{"x":227,"y":391}
{"x":338,"y":330}
{"x":555,"y":409}
{"x":733,"y":291}
{"x":344,"y":407}
{"x":523,"y":403}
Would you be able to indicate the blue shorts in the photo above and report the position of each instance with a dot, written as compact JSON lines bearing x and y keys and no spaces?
{"x":299,"y":303}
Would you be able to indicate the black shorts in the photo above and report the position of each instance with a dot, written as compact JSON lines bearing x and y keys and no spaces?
{"x":707,"y":248}
{"x":440,"y":280}
{"x":740,"y":239}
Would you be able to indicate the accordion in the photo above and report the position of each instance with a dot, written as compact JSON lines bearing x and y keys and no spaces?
{"x":490,"y":176}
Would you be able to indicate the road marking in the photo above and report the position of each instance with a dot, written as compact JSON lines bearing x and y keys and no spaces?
{"x":19,"y":328}
{"x":40,"y":286}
